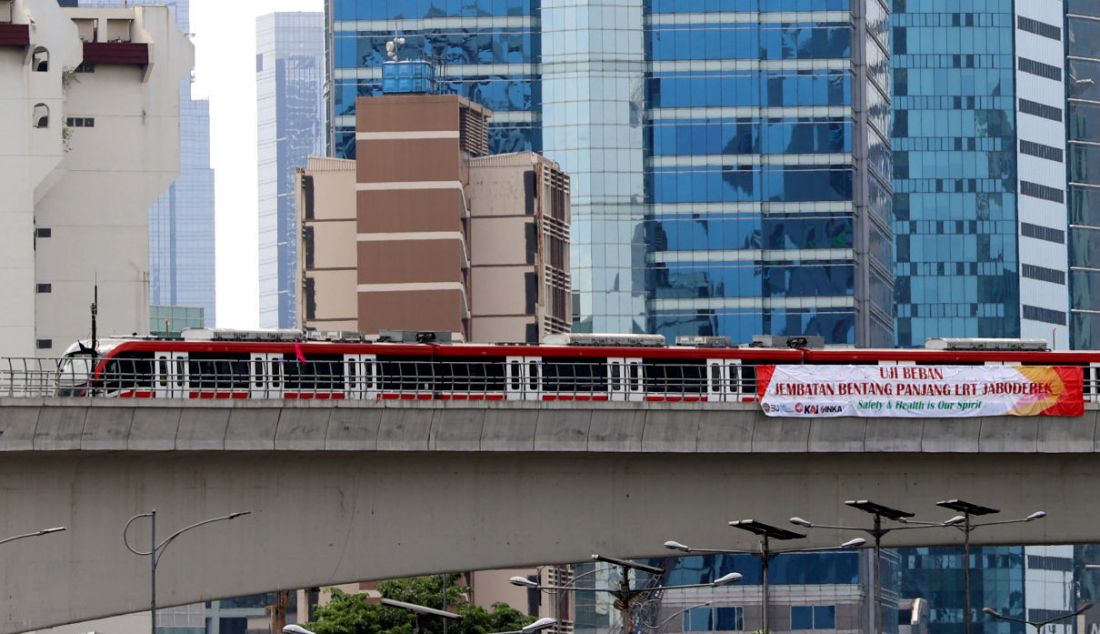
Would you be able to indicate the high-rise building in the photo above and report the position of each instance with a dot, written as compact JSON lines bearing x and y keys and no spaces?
{"x":980,"y":178}
{"x":97,"y":143}
{"x":1083,"y":157}
{"x":425,"y":231}
{"x":181,"y":221}
{"x":289,"y":89}
{"x":730,"y":162}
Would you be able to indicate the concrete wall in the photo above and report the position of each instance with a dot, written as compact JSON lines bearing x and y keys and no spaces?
{"x":371,"y":491}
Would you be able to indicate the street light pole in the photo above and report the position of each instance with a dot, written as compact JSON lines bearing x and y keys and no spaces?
{"x":963,"y":523}
{"x":1038,"y":625}
{"x":877,"y":531}
{"x":156,"y":550}
{"x":765,"y":555}
{"x":626,"y":597}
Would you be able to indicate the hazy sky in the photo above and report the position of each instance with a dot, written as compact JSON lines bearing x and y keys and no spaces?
{"x":225,"y":73}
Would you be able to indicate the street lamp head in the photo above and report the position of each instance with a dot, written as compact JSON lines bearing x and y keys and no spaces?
{"x":538,"y":625}
{"x":56,"y":529}
{"x":955,"y":521}
{"x":295,"y":629}
{"x":672,"y":545}
{"x":233,"y":516}
{"x":523,"y":582}
{"x":1037,"y":515}
{"x":854,"y":543}
{"x":991,"y":612}
{"x":798,"y":521}
{"x":727,"y":578}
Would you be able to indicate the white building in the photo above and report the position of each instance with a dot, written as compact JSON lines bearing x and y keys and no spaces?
{"x":89,"y":114}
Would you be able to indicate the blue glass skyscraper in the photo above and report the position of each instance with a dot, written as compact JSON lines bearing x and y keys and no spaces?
{"x":289,"y":80}
{"x":979,"y":170}
{"x":181,"y":221}
{"x":730,"y":160}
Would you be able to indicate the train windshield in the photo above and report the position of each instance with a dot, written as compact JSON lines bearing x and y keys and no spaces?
{"x":73,"y":373}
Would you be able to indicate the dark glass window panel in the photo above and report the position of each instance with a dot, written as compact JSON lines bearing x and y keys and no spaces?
{"x":416,"y":9}
{"x":1084,"y":206}
{"x":1084,"y":164}
{"x":1084,"y":249}
{"x":1084,"y":35}
{"x":1084,"y":121}
{"x":824,"y":617}
{"x":737,"y":231}
{"x":802,"y":617}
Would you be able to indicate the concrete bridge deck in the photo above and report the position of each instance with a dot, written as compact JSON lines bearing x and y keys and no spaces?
{"x":350,"y":491}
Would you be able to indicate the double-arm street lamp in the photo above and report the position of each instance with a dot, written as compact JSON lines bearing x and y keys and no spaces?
{"x":766,"y":533}
{"x":627,"y":598}
{"x":530,"y":628}
{"x":156,"y":550}
{"x":1038,"y":625}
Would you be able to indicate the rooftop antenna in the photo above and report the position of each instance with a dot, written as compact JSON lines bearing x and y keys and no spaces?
{"x":393,"y":45}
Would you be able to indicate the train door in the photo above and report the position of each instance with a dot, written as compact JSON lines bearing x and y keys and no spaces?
{"x":266,"y":374}
{"x":625,"y":379}
{"x":523,"y":378}
{"x":171,"y":375}
{"x":723,"y":381}
{"x":361,"y":376}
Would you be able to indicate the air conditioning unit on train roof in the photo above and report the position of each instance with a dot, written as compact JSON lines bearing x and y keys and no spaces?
{"x":704,"y":342}
{"x":814,"y":342}
{"x":226,"y":334}
{"x":609,"y":339}
{"x":422,"y":336}
{"x":977,"y":343}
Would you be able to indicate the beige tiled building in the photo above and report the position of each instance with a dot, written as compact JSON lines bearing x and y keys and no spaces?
{"x":426,"y":231}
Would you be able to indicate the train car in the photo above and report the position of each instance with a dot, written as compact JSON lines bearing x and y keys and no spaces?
{"x":228,"y":364}
{"x":224,"y":364}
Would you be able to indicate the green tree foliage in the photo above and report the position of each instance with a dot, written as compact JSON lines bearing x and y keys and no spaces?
{"x":352,"y":614}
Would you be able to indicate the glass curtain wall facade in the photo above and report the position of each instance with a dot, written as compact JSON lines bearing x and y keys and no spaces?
{"x":1083,"y":119}
{"x":768,"y":169}
{"x":289,"y":94}
{"x":979,"y":171}
{"x":730,"y":160}
{"x":484,"y":50}
{"x":955,"y":171}
{"x":181,"y":221}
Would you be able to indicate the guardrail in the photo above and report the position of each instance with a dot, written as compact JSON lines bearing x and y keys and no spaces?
{"x":362,"y":379}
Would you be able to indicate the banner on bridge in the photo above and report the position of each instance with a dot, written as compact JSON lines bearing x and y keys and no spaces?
{"x":816,"y":391}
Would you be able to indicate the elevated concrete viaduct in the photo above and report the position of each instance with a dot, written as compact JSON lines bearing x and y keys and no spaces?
{"x":352,"y":491}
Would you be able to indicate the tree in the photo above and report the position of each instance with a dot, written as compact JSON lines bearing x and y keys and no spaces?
{"x":352,"y":614}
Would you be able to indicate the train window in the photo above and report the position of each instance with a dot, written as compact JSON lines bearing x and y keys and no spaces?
{"x":162,"y":372}
{"x":405,"y":373}
{"x":276,"y":372}
{"x":476,"y":374}
{"x":635,"y":377}
{"x":716,"y":378}
{"x":258,"y":371}
{"x":748,"y":379}
{"x":677,"y":376}
{"x":574,"y":375}
{"x":533,"y":375}
{"x":515,"y":379}
{"x":181,"y":365}
{"x":616,"y":375}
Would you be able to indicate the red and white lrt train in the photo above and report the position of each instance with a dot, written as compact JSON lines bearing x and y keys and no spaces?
{"x":217,"y":364}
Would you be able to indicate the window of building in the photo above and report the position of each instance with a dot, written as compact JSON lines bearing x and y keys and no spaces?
{"x":41,"y":117}
{"x":1045,"y":315}
{"x":1038,"y":68}
{"x":40,"y":60}
{"x":80,"y":122}
{"x":708,"y":619}
{"x":43,"y":232}
{"x":43,"y":344}
{"x":813,"y":617}
{"x":44,"y":288}
{"x":1039,"y":232}
{"x":1039,"y":28}
{"x":1040,"y":110}
{"x":1041,"y":151}
{"x":1043,"y":274}
{"x":1043,"y":192}
{"x":5,"y":11}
